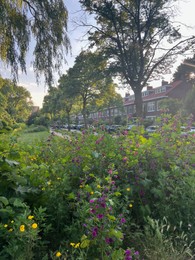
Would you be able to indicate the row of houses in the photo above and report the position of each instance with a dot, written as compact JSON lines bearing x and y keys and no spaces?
{"x":151,"y":100}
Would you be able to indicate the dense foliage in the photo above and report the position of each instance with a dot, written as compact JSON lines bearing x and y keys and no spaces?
{"x":46,"y":22}
{"x":16,"y":104}
{"x":98,"y":196}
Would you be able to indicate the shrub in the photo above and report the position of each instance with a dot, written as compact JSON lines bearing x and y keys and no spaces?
{"x":111,"y":196}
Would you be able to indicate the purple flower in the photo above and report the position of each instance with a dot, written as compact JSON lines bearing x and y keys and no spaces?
{"x":127,"y":252}
{"x":94,"y":232}
{"x":100,"y":216}
{"x":128,"y":257}
{"x":123,"y":220}
{"x":108,"y":240}
{"x":103,"y":205}
{"x":91,"y":201}
{"x":136,"y":253}
{"x":92,"y":211}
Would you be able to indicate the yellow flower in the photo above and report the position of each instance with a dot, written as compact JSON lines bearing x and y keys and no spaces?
{"x":22,"y":228}
{"x":72,"y":244}
{"x":130,"y":205}
{"x":6,"y":225}
{"x":77,"y":245}
{"x":30,"y":217}
{"x":81,"y":186}
{"x":12,"y":221}
{"x":128,"y":189}
{"x":98,"y":186}
{"x":91,"y":192}
{"x":58,"y":254}
{"x":34,"y":225}
{"x":10,"y":230}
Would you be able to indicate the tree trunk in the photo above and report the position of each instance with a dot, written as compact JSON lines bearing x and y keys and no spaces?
{"x":109,"y":120}
{"x":138,"y":102}
{"x":68,"y":119}
{"x":84,"y":114}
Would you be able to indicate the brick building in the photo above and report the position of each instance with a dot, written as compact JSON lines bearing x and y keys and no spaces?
{"x":151,"y":100}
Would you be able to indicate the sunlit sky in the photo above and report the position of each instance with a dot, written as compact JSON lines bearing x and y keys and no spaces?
{"x":185,"y":15}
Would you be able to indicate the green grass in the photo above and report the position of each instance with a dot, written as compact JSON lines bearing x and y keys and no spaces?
{"x":30,"y":138}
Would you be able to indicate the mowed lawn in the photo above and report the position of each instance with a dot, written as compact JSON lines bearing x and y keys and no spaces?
{"x":30,"y":138}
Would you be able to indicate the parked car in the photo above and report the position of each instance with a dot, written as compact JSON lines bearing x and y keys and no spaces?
{"x":80,"y":127}
{"x":192,"y":130}
{"x":151,"y":128}
{"x":112,"y":128}
{"x":130,"y":127}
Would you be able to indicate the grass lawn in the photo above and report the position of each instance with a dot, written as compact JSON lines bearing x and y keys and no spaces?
{"x":30,"y":138}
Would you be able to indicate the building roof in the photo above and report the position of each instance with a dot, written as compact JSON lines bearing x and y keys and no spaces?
{"x":153,"y":95}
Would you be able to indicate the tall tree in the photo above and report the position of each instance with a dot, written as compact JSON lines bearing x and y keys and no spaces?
{"x":67,"y":97}
{"x":138,"y":37}
{"x":15,"y":101}
{"x":87,"y":79}
{"x":50,"y":102}
{"x":46,"y":21}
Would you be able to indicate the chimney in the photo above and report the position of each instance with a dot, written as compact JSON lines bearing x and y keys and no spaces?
{"x":164,"y":82}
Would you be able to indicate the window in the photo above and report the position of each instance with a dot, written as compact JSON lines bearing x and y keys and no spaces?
{"x":145,"y":93}
{"x":160,"y":90}
{"x":158,"y":105}
{"x":151,"y":106}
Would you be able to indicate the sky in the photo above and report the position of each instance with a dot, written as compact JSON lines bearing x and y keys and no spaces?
{"x":185,"y":15}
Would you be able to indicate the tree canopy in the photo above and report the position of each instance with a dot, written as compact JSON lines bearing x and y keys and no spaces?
{"x":186,"y":70}
{"x":16,"y":104}
{"x":138,"y":37}
{"x":38,"y":23}
{"x":87,"y":80}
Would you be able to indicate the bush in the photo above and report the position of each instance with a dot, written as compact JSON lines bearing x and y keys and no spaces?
{"x":115,"y":197}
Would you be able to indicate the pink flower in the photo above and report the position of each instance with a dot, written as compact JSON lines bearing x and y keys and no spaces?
{"x":124,"y":159}
{"x":110,"y":171}
{"x":125,"y":132}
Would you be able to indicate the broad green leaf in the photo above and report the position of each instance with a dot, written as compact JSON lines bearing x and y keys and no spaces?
{"x":4,"y":201}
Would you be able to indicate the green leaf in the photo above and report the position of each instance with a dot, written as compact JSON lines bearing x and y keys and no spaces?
{"x":118,"y":234}
{"x":4,"y":200}
{"x":12,"y":163}
{"x":71,"y":195}
{"x":111,"y":217}
{"x":83,"y":237}
{"x":18,"y":203}
{"x":117,"y":193}
{"x":118,"y":254}
{"x":85,"y":243}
